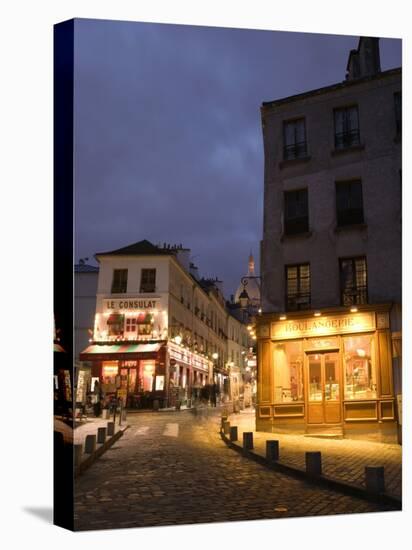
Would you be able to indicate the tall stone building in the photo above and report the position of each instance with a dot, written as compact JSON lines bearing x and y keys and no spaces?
{"x":329,"y":353}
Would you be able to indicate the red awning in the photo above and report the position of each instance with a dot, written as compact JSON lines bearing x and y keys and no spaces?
{"x":118,"y":351}
{"x":115,"y":319}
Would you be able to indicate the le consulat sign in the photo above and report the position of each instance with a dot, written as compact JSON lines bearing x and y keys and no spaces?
{"x":129,"y":304}
{"x":323,"y":326}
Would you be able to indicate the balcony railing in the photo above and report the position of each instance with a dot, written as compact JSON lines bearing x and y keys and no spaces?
{"x":298,"y":301}
{"x":347,"y":139}
{"x":295,"y":150}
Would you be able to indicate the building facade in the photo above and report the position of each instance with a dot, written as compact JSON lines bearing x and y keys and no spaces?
{"x":160,"y":332}
{"x":329,"y":353}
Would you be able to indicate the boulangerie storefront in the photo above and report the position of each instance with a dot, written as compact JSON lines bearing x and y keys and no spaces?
{"x":327,"y":373}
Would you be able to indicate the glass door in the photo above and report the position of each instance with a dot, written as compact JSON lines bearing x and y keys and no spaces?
{"x":324,"y":399}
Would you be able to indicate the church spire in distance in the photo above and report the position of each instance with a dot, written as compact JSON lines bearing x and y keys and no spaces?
{"x":251,"y":265}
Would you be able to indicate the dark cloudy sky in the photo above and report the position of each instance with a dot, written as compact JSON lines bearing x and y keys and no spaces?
{"x":168,"y":143}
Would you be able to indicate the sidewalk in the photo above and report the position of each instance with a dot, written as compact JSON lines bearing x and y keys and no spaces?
{"x":342,"y":459}
{"x":88,"y":426}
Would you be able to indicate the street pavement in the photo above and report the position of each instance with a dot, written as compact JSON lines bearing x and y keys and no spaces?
{"x":173,"y":468}
{"x":342,"y":459}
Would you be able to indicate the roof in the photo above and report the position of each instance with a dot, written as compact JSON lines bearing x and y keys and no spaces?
{"x":331,"y":88}
{"x":85,"y":268}
{"x":144,"y":248}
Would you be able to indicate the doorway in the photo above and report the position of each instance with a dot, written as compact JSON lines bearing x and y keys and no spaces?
{"x":323,"y":388}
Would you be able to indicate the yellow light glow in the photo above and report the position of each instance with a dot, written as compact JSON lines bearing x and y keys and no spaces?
{"x":353,"y":309}
{"x":317,"y":314}
{"x":282,"y":318}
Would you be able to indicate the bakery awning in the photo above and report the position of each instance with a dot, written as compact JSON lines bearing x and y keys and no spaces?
{"x":118,"y":351}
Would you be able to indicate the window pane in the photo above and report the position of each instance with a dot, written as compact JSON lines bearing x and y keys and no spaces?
{"x":360,"y":377}
{"x":315,"y":378}
{"x":331,"y":377}
{"x":288,"y":361}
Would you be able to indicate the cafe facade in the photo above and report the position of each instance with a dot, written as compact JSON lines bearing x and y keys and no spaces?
{"x":327,"y":373}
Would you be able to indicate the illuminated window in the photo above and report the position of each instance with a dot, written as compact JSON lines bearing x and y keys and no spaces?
{"x":297,"y":287}
{"x":288,"y":361}
{"x":147,"y":373}
{"x":346,"y":127}
{"x":359,"y":365}
{"x":119,"y":283}
{"x":115,"y":324}
{"x":294,"y":139}
{"x":148,"y":280}
{"x":353,"y":281}
{"x":109,"y":372}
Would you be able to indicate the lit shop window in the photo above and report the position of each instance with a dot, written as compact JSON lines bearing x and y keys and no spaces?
{"x":115,"y":324}
{"x":109,"y":372}
{"x":288,"y":360}
{"x":360,"y":376}
{"x":141,"y":325}
{"x":148,"y":370}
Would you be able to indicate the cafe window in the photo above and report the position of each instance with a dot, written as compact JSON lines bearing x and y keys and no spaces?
{"x":109,"y":372}
{"x":148,"y":280}
{"x":296,"y":212}
{"x":294,"y":139}
{"x":359,"y":367}
{"x":115,"y":324}
{"x":288,"y":361}
{"x":119,"y":283}
{"x":131,"y":324}
{"x":353,"y":281}
{"x":346,"y":127}
{"x":297,"y":287}
{"x":349,"y":203}
{"x":148,"y":371}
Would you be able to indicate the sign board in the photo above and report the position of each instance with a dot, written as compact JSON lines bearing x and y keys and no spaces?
{"x":323,"y":326}
{"x":129,"y":304}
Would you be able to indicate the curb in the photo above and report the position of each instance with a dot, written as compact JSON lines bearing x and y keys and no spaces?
{"x":85,"y":464}
{"x":383,"y":499}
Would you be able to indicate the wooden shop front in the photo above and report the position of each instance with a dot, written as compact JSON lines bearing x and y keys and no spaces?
{"x":327,"y":373}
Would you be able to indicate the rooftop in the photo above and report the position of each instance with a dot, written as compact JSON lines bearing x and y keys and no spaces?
{"x":144,"y":248}
{"x":85,"y":268}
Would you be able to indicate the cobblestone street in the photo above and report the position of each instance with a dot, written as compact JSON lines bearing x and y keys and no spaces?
{"x":173,"y":468}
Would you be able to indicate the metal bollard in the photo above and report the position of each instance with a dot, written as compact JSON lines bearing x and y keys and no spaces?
{"x":223,"y":420}
{"x":272,"y":450}
{"x":233,"y":433}
{"x":226,"y":427}
{"x":101,"y":435}
{"x":78,"y":451}
{"x":110,"y":428}
{"x":313,"y":463}
{"x":247,"y":441}
{"x":375,"y":479}
{"x":124,"y":416}
{"x":90,"y":444}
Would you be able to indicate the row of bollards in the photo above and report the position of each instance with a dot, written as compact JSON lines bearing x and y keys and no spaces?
{"x":91,"y":442}
{"x":374,"y":475}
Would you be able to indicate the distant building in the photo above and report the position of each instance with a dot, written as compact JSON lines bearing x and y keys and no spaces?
{"x":329,"y":337}
{"x":85,"y":287}
{"x":160,"y":332}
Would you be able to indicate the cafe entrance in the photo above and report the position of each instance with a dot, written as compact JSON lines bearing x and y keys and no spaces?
{"x":323,"y":382}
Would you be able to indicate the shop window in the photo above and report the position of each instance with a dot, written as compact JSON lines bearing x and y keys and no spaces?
{"x":119,"y":283}
{"x":349,"y":203}
{"x":115,"y":324}
{"x":109,"y":373}
{"x":288,"y":361}
{"x":296,"y":212}
{"x":131,"y":324}
{"x":359,"y":367}
{"x":294,"y":139}
{"x":297,"y":287}
{"x":148,"y":370}
{"x":148,"y":280}
{"x":353,"y":281}
{"x":346,"y":127}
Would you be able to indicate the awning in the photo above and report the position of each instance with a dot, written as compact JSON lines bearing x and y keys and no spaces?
{"x":115,"y":319}
{"x":117,"y":351}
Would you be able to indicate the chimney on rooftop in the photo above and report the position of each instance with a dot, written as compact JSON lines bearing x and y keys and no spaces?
{"x":365,"y":61}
